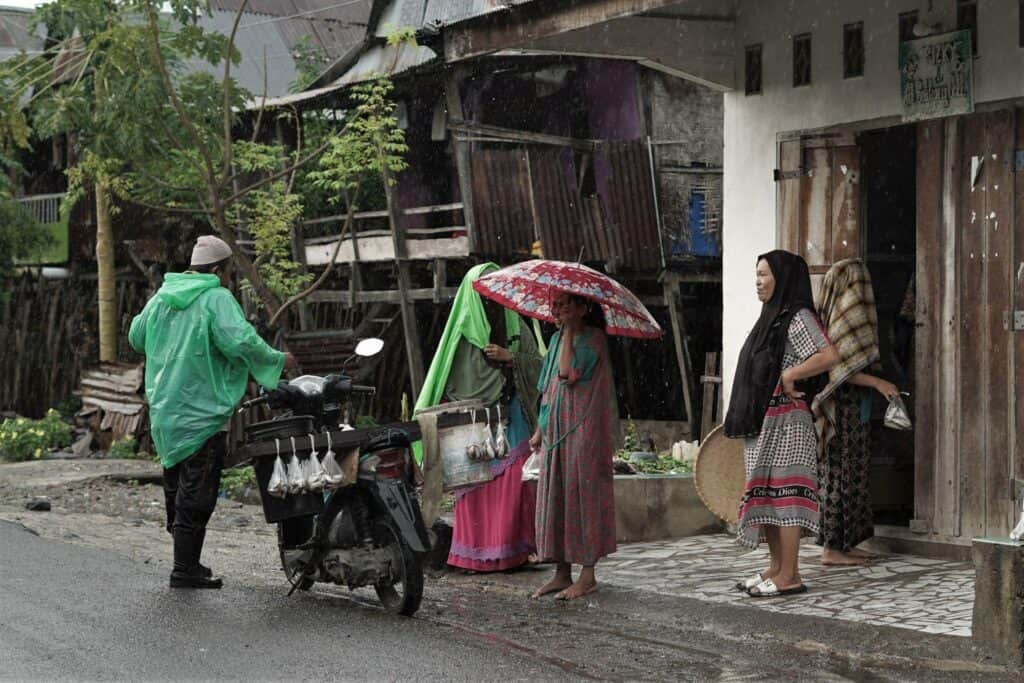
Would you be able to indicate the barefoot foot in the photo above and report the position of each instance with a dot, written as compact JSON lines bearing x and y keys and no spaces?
{"x":553,"y":586}
{"x":835,"y":558}
{"x":577,"y":590}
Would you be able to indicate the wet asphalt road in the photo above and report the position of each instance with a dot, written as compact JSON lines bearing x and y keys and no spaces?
{"x":73,"y":613}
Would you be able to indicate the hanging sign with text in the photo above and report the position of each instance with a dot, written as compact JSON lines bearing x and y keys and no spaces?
{"x":936,"y":76}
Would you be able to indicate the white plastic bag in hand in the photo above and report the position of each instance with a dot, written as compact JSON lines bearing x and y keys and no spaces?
{"x":278,"y":484}
{"x":1018,"y":531}
{"x":531,"y":468}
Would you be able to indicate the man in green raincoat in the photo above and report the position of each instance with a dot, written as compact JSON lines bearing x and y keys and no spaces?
{"x":200,"y":351}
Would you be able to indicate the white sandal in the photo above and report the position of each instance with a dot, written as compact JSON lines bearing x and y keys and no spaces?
{"x":768,"y":589}
{"x":747,"y":584}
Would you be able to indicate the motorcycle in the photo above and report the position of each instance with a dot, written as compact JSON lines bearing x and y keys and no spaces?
{"x":367,"y":529}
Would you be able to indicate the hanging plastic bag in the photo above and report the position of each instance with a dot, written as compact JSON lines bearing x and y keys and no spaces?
{"x":296,"y":482}
{"x":501,"y":440}
{"x":314,"y":472}
{"x":333,"y":475}
{"x":531,"y":468}
{"x":278,"y":484}
{"x":490,"y":447}
{"x":474,"y":450}
{"x":896,"y":415}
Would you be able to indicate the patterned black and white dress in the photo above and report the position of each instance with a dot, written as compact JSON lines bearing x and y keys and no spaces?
{"x":781,"y":462}
{"x":845,"y":471}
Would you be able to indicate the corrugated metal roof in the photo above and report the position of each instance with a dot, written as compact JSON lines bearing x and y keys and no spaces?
{"x":436,"y":13}
{"x":14,"y":33}
{"x":386,"y":60}
{"x":333,"y":25}
{"x":379,"y":60}
{"x":253,"y":42}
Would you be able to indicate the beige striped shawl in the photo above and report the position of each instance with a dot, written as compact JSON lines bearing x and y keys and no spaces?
{"x":846,"y":306}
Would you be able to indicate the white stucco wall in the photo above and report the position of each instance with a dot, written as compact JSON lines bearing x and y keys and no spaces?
{"x":753,"y":123}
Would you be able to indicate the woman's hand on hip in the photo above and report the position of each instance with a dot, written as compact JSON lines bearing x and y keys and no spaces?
{"x":789,"y":386}
{"x":535,"y":441}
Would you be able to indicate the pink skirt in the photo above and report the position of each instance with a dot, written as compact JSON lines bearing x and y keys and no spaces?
{"x":494,"y":522}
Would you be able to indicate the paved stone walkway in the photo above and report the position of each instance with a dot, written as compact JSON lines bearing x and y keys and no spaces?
{"x":902,"y":591}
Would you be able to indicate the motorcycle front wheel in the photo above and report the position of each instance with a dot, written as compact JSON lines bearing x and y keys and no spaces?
{"x":403,"y":594}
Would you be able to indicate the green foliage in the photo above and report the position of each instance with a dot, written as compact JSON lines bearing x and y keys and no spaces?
{"x":20,"y":235}
{"x":630,"y":438}
{"x":271,"y":214}
{"x":371,"y":145}
{"x":663,"y":465}
{"x":123,"y":448}
{"x":25,"y":439}
{"x":235,"y":481}
{"x":310,"y":62}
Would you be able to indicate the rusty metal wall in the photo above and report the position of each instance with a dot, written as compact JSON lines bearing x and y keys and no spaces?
{"x":558,"y":203}
{"x":533,"y":189}
{"x":503,"y":220}
{"x":628,"y":196}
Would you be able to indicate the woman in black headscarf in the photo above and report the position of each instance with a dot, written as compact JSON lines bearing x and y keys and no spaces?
{"x":768,"y":409}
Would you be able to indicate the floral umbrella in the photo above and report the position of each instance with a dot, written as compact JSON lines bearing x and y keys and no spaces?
{"x":527,"y":288}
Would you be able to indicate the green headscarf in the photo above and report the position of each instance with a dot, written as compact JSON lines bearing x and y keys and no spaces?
{"x":467,"y":321}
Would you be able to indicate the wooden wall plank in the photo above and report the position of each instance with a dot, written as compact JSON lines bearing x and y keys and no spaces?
{"x":946,"y":270}
{"x":1017,"y":273}
{"x":974,"y":332}
{"x":998,"y":257}
{"x":846,"y":203}
{"x":928,"y":335}
{"x":816,"y":208}
{"x":788,"y":199}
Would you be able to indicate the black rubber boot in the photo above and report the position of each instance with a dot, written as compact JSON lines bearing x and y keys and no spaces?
{"x":203,"y":569}
{"x":188,"y":573}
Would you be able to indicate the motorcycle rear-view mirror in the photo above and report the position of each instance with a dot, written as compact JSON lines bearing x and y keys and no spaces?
{"x":368,"y":347}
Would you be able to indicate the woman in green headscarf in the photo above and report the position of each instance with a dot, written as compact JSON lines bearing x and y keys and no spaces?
{"x":490,"y":354}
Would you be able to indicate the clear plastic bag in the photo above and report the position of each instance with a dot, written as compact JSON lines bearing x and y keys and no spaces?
{"x":896,"y":415}
{"x":501,"y":440}
{"x":278,"y":484}
{"x":333,"y":475}
{"x":314,"y":472}
{"x":296,"y":482}
{"x":490,"y":446}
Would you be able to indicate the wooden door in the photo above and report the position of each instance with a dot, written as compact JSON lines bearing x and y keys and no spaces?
{"x":966,"y":374}
{"x":819,"y":199}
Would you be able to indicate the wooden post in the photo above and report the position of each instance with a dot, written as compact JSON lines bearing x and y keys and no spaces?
{"x":712,"y":382}
{"x":409,"y":326}
{"x":671,"y":285}
{"x":463,"y":152}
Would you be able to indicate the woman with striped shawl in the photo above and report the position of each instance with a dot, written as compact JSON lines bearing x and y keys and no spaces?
{"x":846,"y":306}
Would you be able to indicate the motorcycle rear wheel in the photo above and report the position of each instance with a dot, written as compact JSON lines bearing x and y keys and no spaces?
{"x":404,"y":594}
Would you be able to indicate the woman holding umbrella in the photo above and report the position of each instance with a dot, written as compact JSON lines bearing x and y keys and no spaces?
{"x":575,"y":496}
{"x":768,"y":409}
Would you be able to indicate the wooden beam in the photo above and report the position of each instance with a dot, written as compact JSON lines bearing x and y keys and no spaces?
{"x":503,"y":30}
{"x":711,"y":383}
{"x":410,"y":328}
{"x":671,"y":285}
{"x":521,"y":136}
{"x":462,"y":151}
{"x":387,"y":296}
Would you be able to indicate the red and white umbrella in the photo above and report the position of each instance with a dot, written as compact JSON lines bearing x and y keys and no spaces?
{"x":528,"y":288}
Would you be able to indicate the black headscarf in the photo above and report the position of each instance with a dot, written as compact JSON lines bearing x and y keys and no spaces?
{"x":760,"y":362}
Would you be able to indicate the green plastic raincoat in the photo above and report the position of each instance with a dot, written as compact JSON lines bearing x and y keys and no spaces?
{"x":200,"y":351}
